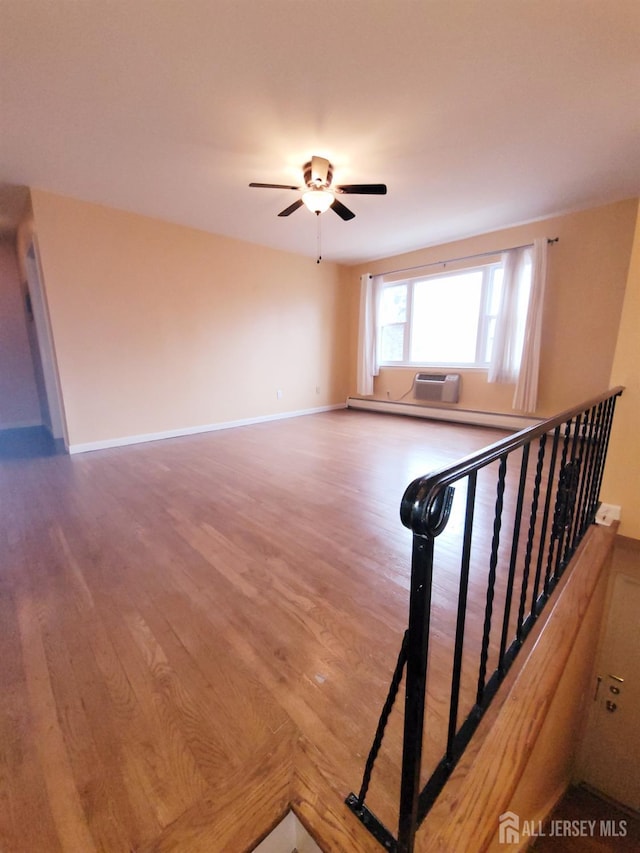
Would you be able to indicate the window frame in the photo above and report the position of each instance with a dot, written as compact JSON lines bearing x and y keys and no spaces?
{"x":484,"y":319}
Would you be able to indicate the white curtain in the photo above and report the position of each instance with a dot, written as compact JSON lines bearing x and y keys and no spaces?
{"x":368,"y":332}
{"x":507,"y":342}
{"x":516,"y":346}
{"x":526,"y":396}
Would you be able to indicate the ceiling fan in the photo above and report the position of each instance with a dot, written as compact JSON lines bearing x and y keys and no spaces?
{"x":318,"y":194}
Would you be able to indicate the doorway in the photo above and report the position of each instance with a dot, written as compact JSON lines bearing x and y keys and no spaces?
{"x":43,"y":352}
{"x":610,"y":753}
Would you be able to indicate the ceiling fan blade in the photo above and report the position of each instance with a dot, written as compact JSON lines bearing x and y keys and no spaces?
{"x":320,"y":170}
{"x":289,"y":210}
{"x":342,"y":211}
{"x":275,"y":186}
{"x":363,"y":189}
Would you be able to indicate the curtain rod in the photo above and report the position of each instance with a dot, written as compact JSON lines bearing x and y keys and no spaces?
{"x":466,"y":257}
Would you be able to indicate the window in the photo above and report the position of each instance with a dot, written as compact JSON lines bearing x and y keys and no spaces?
{"x":444,"y":319}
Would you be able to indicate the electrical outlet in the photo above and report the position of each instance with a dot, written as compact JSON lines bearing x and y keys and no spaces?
{"x":279,"y":394}
{"x":317,"y":389}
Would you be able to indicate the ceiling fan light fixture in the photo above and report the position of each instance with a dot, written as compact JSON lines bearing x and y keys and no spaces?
{"x":318,"y":200}
{"x":317,"y":193}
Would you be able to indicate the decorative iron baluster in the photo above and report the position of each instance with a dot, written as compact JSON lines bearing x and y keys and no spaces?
{"x":533,"y":517}
{"x":565,"y":503}
{"x":589,"y":512}
{"x":515,"y":540}
{"x":610,"y":406}
{"x":570,"y":482}
{"x":356,"y":803}
{"x":576,"y":462}
{"x":462,"y":612}
{"x":549,"y":582}
{"x":593,"y":474}
{"x":491,"y":580}
{"x":396,"y":678}
{"x":545,"y":525}
{"x":588,"y":449}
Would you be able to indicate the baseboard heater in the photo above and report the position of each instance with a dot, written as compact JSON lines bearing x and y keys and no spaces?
{"x":437,"y":387}
{"x":512,"y":423}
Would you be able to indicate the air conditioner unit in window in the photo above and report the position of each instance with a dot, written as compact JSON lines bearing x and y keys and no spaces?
{"x":437,"y":387}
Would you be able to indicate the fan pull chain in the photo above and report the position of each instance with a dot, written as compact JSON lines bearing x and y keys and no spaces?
{"x":318,"y":238}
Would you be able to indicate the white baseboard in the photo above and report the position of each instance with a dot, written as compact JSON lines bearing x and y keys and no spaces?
{"x":463,"y":416}
{"x":177,"y":433}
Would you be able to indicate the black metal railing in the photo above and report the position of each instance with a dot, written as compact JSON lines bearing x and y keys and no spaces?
{"x":530,"y":499}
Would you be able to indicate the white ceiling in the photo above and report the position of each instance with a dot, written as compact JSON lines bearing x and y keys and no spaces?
{"x":478,"y":114}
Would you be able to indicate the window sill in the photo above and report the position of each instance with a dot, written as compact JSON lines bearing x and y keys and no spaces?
{"x":450,"y":367}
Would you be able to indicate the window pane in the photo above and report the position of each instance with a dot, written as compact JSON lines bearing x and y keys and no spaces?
{"x":445,"y":318}
{"x":392,"y":342}
{"x":496,"y":291}
{"x":393,"y":305}
{"x":495,"y":296}
{"x":491,"y":333}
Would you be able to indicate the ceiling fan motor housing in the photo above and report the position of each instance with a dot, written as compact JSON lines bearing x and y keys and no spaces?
{"x":321,"y":177}
{"x":318,"y":174}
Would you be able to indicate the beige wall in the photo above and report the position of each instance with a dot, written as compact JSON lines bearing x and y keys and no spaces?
{"x":586,"y":282}
{"x":159,"y":327}
{"x":19,"y":404}
{"x":622,"y":472}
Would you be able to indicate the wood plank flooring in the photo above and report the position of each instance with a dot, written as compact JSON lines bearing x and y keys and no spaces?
{"x":196,"y":633}
{"x":585,"y":822}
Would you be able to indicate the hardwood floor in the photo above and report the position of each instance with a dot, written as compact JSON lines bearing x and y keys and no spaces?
{"x":28,"y":443}
{"x":186,"y":625}
{"x":584,"y":822}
